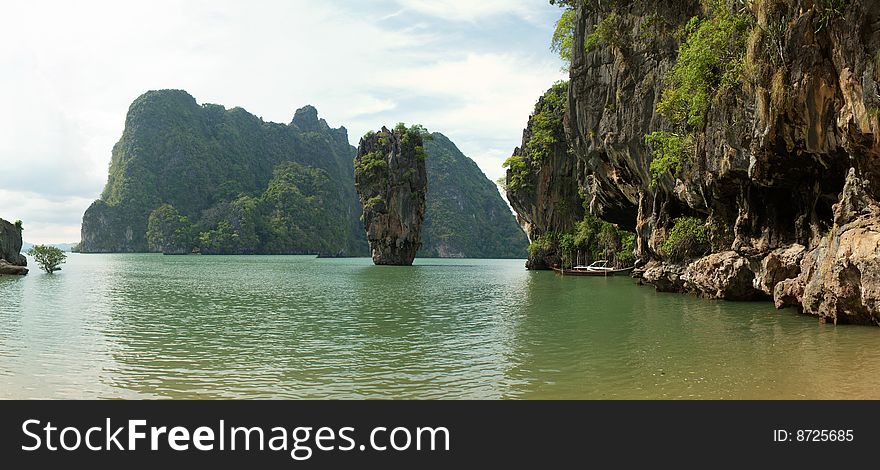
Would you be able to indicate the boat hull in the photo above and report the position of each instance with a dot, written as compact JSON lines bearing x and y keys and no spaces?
{"x":584,"y":272}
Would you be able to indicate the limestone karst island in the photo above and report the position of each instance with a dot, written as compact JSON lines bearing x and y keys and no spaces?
{"x":573,"y":199}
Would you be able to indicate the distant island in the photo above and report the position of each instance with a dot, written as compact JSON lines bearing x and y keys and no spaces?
{"x":186,"y":177}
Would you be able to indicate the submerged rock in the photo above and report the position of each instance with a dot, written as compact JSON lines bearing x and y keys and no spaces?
{"x":11,"y":269}
{"x":665,"y":277}
{"x":11,"y":259}
{"x":392,"y":182}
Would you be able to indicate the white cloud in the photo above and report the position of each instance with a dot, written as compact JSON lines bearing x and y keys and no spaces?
{"x":46,"y":219}
{"x":470,"y":10}
{"x":71,"y":69}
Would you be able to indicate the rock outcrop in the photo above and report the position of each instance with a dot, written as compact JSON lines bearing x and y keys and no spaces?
{"x":391,"y":181}
{"x":725,"y":275}
{"x":775,"y":147}
{"x":839,"y":281}
{"x":11,"y":260}
{"x":240,"y":185}
{"x":541,"y":180}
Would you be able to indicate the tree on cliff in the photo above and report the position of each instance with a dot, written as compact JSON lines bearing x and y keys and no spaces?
{"x":49,"y":258}
{"x":168,"y":231}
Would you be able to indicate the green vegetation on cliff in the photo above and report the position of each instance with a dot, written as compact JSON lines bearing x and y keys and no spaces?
{"x":688,"y":238}
{"x":592,"y":239}
{"x":215,"y":169}
{"x":710,"y":60}
{"x":186,"y":176}
{"x":168,"y":231}
{"x":668,"y":151}
{"x":546,"y":131}
{"x":465,"y":216}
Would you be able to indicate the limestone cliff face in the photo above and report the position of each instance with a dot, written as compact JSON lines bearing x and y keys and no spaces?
{"x":542,"y":183}
{"x":11,"y":259}
{"x":784,"y":163}
{"x":392,"y":182}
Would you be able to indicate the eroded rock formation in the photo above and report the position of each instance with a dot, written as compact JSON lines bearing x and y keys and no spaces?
{"x":11,"y":260}
{"x":541,"y":179}
{"x":780,"y":161}
{"x":392,"y":182}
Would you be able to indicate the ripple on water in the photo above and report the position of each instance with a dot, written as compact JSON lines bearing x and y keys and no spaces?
{"x":300,"y":327}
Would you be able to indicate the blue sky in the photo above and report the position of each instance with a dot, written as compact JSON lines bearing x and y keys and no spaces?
{"x":470,"y":69}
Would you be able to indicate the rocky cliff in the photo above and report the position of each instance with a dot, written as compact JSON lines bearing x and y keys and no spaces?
{"x":392,"y":182}
{"x":216,"y":168}
{"x":541,"y":179}
{"x":186,"y":177}
{"x":740,"y":140}
{"x":465,"y":215}
{"x":11,"y":259}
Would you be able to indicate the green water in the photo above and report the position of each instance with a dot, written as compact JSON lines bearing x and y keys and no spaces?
{"x":298,"y":327}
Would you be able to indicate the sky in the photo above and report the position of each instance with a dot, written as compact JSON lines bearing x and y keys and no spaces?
{"x":472,"y":70}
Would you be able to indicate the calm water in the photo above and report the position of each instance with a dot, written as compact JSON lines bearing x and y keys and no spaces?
{"x":299,"y":327}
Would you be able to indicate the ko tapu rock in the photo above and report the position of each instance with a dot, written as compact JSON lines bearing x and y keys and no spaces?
{"x":11,"y":259}
{"x":391,"y":182}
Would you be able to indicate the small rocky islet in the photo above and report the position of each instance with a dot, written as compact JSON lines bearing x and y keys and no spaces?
{"x":392,"y":183}
{"x":12,"y":262}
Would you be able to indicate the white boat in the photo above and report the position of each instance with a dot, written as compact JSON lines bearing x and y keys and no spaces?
{"x":599,"y":268}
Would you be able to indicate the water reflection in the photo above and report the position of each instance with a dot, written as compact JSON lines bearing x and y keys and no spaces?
{"x":299,"y":327}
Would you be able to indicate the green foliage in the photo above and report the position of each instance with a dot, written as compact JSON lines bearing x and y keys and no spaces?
{"x":592,"y":239}
{"x":49,"y":258}
{"x":829,"y":11}
{"x":297,"y":211}
{"x":464,"y":214}
{"x":668,"y":151}
{"x":293,"y":216}
{"x":420,"y":153}
{"x":546,"y":131}
{"x":542,"y":244}
{"x":563,"y":36}
{"x":373,"y":202}
{"x":546,"y":124}
{"x":605,"y":31}
{"x":711,"y":59}
{"x":415,"y":136}
{"x":169,"y":232}
{"x":19,"y":225}
{"x":518,"y":174}
{"x":688,"y":238}
{"x":371,"y":165}
{"x":202,"y":158}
